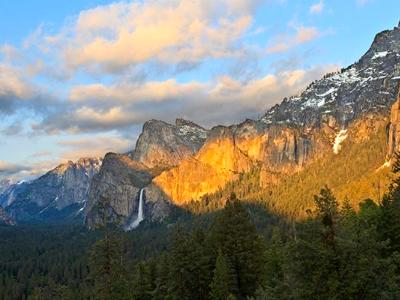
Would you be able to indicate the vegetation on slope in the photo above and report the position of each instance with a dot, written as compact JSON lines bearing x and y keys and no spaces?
{"x":355,"y":173}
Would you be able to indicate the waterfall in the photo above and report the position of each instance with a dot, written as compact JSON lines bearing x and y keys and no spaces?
{"x":140,"y":216}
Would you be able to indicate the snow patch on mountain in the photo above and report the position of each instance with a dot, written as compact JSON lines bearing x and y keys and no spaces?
{"x":330,"y":91}
{"x":340,"y":137}
{"x":192,"y":133}
{"x":380,"y":54}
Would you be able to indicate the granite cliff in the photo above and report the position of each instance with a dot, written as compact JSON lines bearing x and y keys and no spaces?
{"x":345,"y":113}
{"x":298,"y":131}
{"x":163,"y":145}
{"x":57,"y":196}
{"x":341,"y":112}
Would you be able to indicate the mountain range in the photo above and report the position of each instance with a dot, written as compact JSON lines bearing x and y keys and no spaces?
{"x":342,"y":130}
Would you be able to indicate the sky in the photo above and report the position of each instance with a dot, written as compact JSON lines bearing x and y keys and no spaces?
{"x":79,"y":78}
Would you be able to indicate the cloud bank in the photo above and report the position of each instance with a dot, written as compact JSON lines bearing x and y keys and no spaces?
{"x":113,"y":67}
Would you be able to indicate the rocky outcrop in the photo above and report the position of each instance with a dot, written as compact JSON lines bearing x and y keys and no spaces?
{"x":5,"y":219}
{"x":341,"y":108}
{"x":60,"y":193}
{"x":394,"y":129}
{"x":118,"y":184}
{"x":365,"y":86}
{"x":299,"y":130}
{"x":163,"y":145}
{"x":217,"y":162}
{"x":230,"y":151}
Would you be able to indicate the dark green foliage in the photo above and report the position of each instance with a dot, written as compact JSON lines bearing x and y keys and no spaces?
{"x":49,"y":260}
{"x":191,"y":264}
{"x":224,"y":283}
{"x":107,"y":269}
{"x":142,"y":286}
{"x":337,"y":253}
{"x":390,"y":208}
{"x":236,"y":236}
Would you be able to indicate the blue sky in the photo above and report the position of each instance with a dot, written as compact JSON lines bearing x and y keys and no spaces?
{"x":79,"y":78}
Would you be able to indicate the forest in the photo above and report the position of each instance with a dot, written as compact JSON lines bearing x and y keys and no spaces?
{"x":238,"y":251}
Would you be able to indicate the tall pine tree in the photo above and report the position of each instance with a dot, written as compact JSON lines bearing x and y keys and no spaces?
{"x":236,"y":236}
{"x":224,"y":283}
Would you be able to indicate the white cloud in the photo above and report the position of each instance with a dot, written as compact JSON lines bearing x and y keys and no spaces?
{"x":16,"y":172}
{"x":317,"y":8}
{"x":12,"y":83}
{"x":9,"y":168}
{"x":95,"y":146}
{"x":127,"y":92}
{"x":14,"y":89}
{"x":284,"y":42}
{"x":107,"y":44}
{"x":113,"y":37}
{"x":96,"y":108}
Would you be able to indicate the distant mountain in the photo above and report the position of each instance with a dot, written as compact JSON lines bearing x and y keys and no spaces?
{"x":58,"y":196}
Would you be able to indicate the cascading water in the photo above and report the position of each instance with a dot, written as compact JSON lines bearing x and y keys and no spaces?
{"x":140,"y":216}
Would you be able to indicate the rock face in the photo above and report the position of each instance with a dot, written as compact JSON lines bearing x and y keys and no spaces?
{"x":368,"y":85}
{"x":164,"y":145}
{"x":230,"y":151}
{"x":5,"y":219}
{"x":341,"y":108}
{"x":394,"y":128}
{"x":160,"y":146}
{"x":118,"y":184}
{"x":297,"y":131}
{"x":217,"y":162}
{"x":59,"y":194}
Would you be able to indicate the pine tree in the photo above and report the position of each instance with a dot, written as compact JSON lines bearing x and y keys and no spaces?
{"x":224,"y":283}
{"x":191,"y":265}
{"x":236,"y":236}
{"x":107,"y":269}
{"x":180,"y":265}
{"x":202,"y":264}
{"x":273,"y":286}
{"x":327,"y":211}
{"x":143,"y":282}
{"x":107,"y":265}
{"x":163,"y":277}
{"x":390,"y":207}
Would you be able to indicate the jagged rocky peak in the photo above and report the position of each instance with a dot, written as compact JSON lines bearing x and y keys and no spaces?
{"x":338,"y":98}
{"x":64,"y":187}
{"x":90,"y":164}
{"x":163,"y":145}
{"x":191,"y":132}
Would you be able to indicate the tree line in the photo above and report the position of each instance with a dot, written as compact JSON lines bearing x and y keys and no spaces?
{"x":336,"y":253}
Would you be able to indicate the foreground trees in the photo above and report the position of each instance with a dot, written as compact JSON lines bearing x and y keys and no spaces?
{"x":337,"y":253}
{"x":235,"y":236}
